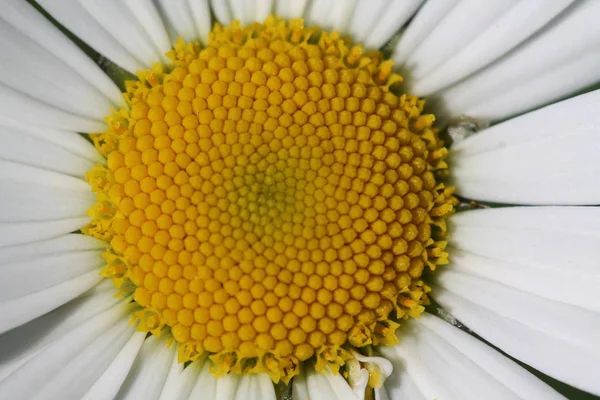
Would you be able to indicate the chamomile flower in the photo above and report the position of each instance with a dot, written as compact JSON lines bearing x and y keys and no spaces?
{"x":268,"y":203}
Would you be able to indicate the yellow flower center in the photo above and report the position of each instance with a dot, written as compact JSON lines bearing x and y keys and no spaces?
{"x":268,"y":199}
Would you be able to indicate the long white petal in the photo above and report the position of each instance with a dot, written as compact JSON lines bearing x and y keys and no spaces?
{"x":59,"y":245}
{"x":429,"y":16}
{"x":262,"y":9}
{"x":72,"y":15}
{"x":534,"y":73}
{"x":76,"y":348}
{"x":241,"y":10}
{"x":317,"y":13}
{"x":25,"y":147}
{"x":20,"y":278}
{"x":472,"y":16}
{"x":205,"y":383}
{"x":149,"y":18}
{"x":321,"y":386}
{"x":545,"y":157}
{"x":29,"y":68}
{"x":20,"y":344}
{"x":179,"y":17}
{"x":289,"y":9}
{"x":16,"y":312}
{"x":394,"y":17}
{"x":365,"y":17}
{"x":26,"y":109}
{"x":17,"y":233}
{"x":222,"y":11}
{"x":149,"y":371}
{"x":455,"y":58}
{"x":519,"y":245}
{"x":507,"y":263}
{"x":109,"y":383}
{"x":33,"y":194}
{"x":176,"y":383}
{"x":463,"y":367}
{"x":32,"y":24}
{"x":201,"y":15}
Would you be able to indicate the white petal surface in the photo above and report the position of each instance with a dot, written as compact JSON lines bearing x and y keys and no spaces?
{"x":548,"y":156}
{"x":429,"y":16}
{"x":464,"y":368}
{"x":29,"y":68}
{"x":178,"y":15}
{"x":26,"y":109}
{"x":20,"y":344}
{"x":51,"y":151}
{"x":91,"y":344}
{"x":318,"y":13}
{"x":534,"y":73}
{"x":262,"y":9}
{"x":222,"y":11}
{"x":321,"y":386}
{"x":109,"y":383}
{"x":29,"y":22}
{"x":72,"y":15}
{"x":290,"y":8}
{"x":201,"y":15}
{"x":445,"y":40}
{"x":395,"y":15}
{"x":150,"y":20}
{"x":33,"y":194}
{"x":17,"y":233}
{"x":365,"y":18}
{"x":525,"y":280}
{"x":149,"y":371}
{"x":482,"y":44}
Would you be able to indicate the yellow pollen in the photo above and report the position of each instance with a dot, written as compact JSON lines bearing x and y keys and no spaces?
{"x":268,"y":199}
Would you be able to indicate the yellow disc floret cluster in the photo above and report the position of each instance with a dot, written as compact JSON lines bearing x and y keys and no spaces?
{"x":268,"y":199}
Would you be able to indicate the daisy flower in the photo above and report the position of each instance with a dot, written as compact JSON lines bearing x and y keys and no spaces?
{"x":256,"y":202}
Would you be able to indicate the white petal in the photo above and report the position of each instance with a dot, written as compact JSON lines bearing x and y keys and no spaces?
{"x":90,"y":364}
{"x":394,"y":17}
{"x":26,"y":109}
{"x":201,"y":15}
{"x":72,"y":15}
{"x":545,"y":157}
{"x":149,"y":19}
{"x":20,"y":278}
{"x":533,"y":249}
{"x":424,"y":22}
{"x":117,"y":19}
{"x":16,"y":312}
{"x":365,"y":17}
{"x":452,"y":59}
{"x":241,"y":10}
{"x":179,"y":17}
{"x":33,"y":194}
{"x":149,"y":371}
{"x":321,"y":386}
{"x":29,"y":68}
{"x":289,"y":9}
{"x":568,"y":361}
{"x":472,"y":16}
{"x":107,"y":386}
{"x":31,"y":23}
{"x":71,"y":141}
{"x":262,"y":9}
{"x":464,"y":367}
{"x":221,"y":10}
{"x":17,"y":233}
{"x":20,"y":344}
{"x":534,"y":73}
{"x":175,"y":383}
{"x":318,"y":13}
{"x":254,"y":387}
{"x":20,"y":145}
{"x":76,"y":348}
{"x":205,"y":385}
{"x":59,"y":245}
